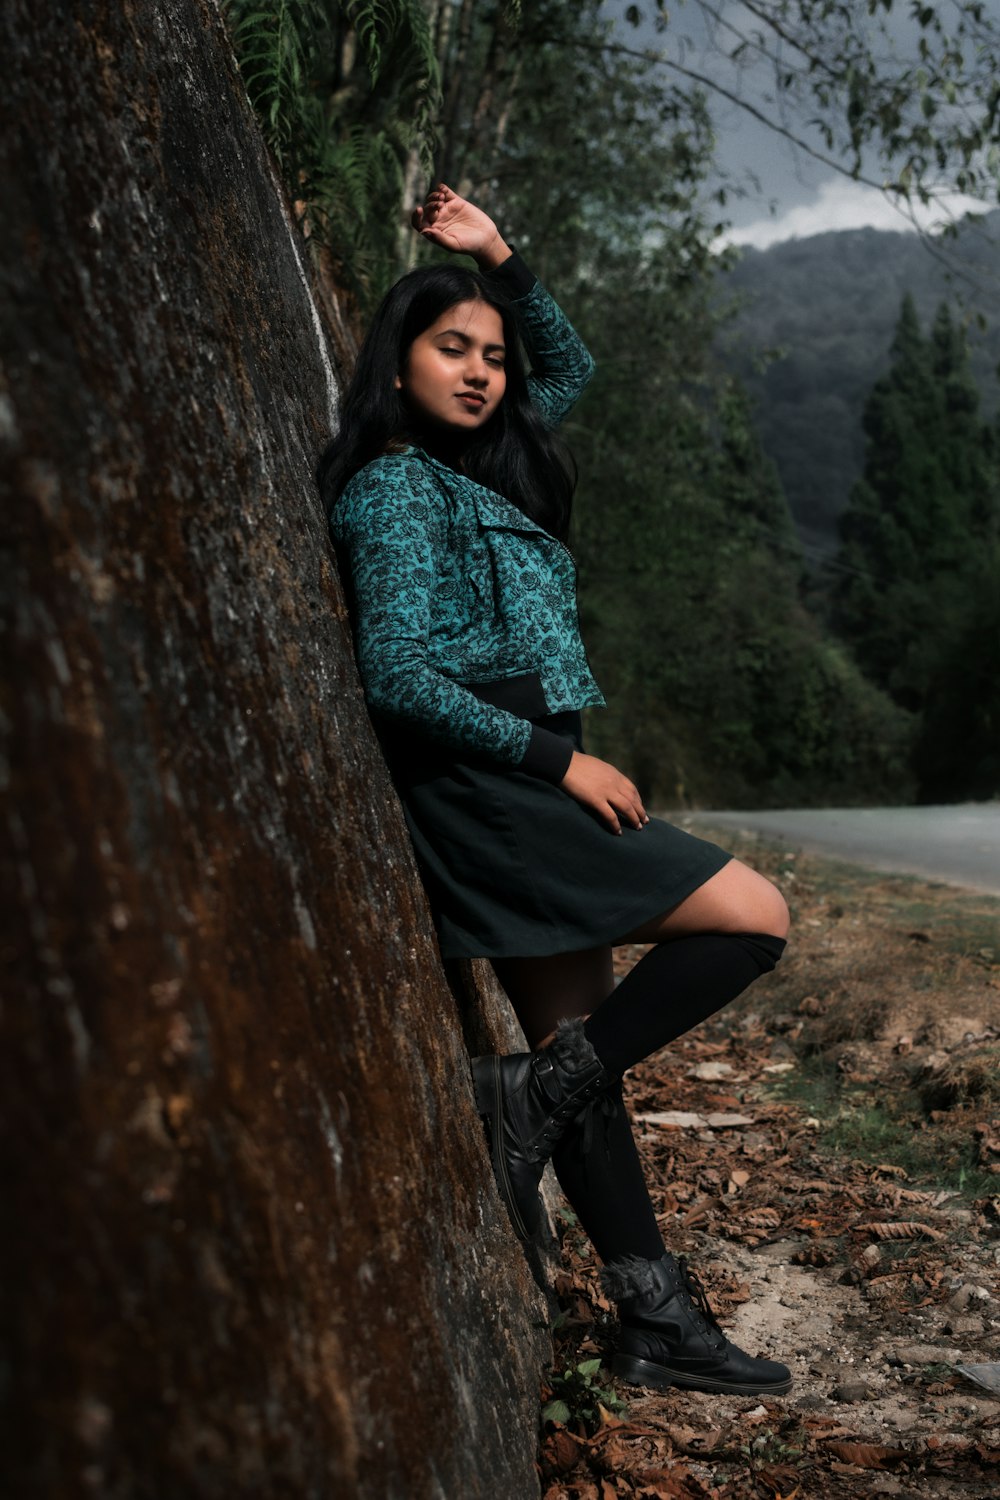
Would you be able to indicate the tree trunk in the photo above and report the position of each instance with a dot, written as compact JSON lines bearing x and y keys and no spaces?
{"x":454,"y":80}
{"x":252,"y":1247}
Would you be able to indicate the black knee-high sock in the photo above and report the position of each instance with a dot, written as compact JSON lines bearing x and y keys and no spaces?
{"x":600,"y":1173}
{"x":673,"y":987}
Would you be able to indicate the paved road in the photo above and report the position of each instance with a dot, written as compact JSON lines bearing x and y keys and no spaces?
{"x":958,"y":845}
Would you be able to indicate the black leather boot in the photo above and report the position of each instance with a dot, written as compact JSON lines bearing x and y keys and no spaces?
{"x":529,"y":1101}
{"x":670,"y":1337}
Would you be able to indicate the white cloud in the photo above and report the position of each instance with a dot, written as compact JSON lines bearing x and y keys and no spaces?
{"x":842,"y":204}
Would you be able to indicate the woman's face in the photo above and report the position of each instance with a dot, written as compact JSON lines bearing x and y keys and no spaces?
{"x":454,"y":371}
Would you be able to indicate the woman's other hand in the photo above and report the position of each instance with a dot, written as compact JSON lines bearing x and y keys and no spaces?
{"x":603,"y":789}
{"x":458,"y":225}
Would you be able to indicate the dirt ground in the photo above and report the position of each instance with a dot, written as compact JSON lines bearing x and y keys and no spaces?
{"x":827,"y":1156}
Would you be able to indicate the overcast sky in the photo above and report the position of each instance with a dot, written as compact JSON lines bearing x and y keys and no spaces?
{"x":795,"y":195}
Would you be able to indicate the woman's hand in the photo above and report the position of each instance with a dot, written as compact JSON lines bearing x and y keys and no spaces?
{"x":603,"y":789}
{"x":456,"y":224}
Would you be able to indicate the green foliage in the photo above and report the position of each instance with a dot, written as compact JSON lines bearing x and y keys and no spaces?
{"x":567,"y":173}
{"x":917,"y":589}
{"x":347,"y":92}
{"x":577,"y":1399}
{"x":911,"y":521}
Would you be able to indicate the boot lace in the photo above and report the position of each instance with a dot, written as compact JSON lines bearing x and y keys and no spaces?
{"x":693,"y":1286}
{"x":573,"y":1109}
{"x":603,"y":1105}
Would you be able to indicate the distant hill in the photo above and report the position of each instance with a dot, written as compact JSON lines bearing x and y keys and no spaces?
{"x":830,"y":304}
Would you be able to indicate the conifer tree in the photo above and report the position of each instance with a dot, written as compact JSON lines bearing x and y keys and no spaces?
{"x":920,"y":563}
{"x":915,"y":526}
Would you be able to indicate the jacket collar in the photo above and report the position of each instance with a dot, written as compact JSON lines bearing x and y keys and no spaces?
{"x":492,"y":511}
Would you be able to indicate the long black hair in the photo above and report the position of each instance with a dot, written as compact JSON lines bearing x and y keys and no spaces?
{"x":514,"y":454}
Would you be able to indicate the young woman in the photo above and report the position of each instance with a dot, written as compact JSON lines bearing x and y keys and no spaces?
{"x":449,"y":501}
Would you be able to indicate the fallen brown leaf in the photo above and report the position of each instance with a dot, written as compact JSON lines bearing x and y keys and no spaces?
{"x":780,"y":1480}
{"x":867,"y":1455}
{"x":560,"y":1452}
{"x":815,"y":1424}
{"x":700,"y":1210}
{"x":906,"y":1229}
{"x":815,"y":1255}
{"x":681,"y":1435}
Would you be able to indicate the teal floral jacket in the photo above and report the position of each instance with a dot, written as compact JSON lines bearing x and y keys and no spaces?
{"x":464,"y":610}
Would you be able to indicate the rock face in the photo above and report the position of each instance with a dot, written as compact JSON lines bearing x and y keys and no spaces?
{"x":252,"y":1243}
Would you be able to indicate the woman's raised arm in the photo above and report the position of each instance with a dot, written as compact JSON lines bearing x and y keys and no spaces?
{"x":561,"y":364}
{"x":455,"y":224}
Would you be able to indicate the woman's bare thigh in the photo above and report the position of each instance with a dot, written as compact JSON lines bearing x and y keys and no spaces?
{"x":545,"y":990}
{"x":736,"y":899}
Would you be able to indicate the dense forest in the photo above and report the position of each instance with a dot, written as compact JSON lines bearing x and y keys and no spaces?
{"x":822,"y":312}
{"x":728,"y":678}
{"x":914,"y":587}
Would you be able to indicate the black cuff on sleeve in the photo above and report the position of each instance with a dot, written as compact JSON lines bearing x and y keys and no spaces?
{"x":548,"y":755}
{"x":513,"y":275}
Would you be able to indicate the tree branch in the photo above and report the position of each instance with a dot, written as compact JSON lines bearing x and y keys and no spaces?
{"x":773,"y":25}
{"x":661,"y":60}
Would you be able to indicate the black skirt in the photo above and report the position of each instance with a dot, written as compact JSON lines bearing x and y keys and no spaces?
{"x":516,"y":867}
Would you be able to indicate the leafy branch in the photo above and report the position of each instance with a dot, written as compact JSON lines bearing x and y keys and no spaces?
{"x":936,"y":112}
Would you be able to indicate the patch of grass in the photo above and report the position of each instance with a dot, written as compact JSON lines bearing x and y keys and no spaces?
{"x":970,"y":930}
{"x":814,"y":1084}
{"x":890,"y":1129}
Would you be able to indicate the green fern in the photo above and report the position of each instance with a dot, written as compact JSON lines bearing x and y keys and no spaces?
{"x":270,"y":47}
{"x":373,"y":20}
{"x":342,"y":142}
